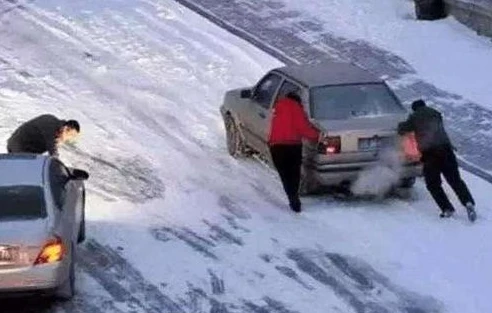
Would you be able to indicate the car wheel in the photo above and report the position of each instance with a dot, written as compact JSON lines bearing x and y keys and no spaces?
{"x":407,"y":182}
{"x":81,"y":236}
{"x":66,"y":291}
{"x":235,"y":142}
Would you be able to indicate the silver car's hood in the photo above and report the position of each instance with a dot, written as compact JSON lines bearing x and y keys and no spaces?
{"x":25,"y":232}
{"x":384,"y":123}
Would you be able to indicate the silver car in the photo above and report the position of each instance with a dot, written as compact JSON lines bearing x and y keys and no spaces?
{"x":357,"y":110}
{"x":41,"y":221}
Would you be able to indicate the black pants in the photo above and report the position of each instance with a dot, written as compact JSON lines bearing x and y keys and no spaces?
{"x":288,"y":160}
{"x":442,"y":160}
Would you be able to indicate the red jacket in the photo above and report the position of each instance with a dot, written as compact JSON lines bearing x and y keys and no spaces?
{"x":290,"y":124}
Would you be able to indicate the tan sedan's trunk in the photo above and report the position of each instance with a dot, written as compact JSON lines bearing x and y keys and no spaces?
{"x":362,"y":137}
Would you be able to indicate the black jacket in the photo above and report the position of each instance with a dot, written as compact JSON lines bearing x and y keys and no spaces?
{"x":427,"y":123}
{"x":36,"y":136}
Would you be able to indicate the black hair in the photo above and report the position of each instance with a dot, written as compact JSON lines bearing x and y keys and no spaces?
{"x":418,"y":104}
{"x":73,"y":124}
{"x":294,"y":96}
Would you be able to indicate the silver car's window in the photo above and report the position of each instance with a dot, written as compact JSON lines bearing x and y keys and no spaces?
{"x":22,"y":202}
{"x":266,"y":89}
{"x":58,"y":179}
{"x":353,"y":101}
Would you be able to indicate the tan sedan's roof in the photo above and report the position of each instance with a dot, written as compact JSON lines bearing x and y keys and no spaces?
{"x":328,"y":73}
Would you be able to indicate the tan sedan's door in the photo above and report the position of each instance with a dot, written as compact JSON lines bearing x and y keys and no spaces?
{"x":257,"y":120}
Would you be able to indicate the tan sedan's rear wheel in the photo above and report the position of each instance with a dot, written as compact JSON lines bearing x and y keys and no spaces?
{"x":407,"y":182}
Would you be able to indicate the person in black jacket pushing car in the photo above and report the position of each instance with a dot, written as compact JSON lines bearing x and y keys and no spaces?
{"x":438,"y":158}
{"x":43,"y":134}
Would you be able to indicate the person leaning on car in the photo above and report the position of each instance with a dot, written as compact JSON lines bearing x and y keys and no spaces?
{"x":437,"y":157}
{"x":43,"y":134}
{"x":288,"y":127}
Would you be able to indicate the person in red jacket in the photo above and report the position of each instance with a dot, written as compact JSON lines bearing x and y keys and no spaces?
{"x":288,"y":127}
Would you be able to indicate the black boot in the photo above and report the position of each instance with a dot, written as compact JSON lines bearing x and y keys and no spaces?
{"x":446,"y":213}
{"x":295,"y":205}
{"x":470,"y":210}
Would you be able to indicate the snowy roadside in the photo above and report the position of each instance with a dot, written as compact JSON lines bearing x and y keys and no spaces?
{"x":444,"y":53}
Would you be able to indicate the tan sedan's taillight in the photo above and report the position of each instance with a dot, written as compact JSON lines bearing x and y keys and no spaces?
{"x":409,"y":148}
{"x":52,"y":251}
{"x":330,"y":145}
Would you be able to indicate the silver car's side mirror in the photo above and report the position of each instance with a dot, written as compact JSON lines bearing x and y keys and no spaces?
{"x":246,"y":93}
{"x":78,"y":174}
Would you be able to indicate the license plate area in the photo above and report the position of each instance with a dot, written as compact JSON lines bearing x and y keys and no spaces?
{"x":8,"y":255}
{"x":374,"y":143}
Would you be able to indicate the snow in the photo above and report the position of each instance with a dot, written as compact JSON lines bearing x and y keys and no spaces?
{"x":484,"y":3}
{"x":445,"y":52}
{"x":146,"y":78}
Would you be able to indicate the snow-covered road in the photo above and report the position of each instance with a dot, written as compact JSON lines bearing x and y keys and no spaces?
{"x":174,"y":223}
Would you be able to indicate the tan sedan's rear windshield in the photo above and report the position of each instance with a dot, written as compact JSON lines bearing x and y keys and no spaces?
{"x":21,"y":202}
{"x":353,"y":101}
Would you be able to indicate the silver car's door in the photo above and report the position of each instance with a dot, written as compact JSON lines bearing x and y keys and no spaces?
{"x":64,"y":194}
{"x":257,"y":119}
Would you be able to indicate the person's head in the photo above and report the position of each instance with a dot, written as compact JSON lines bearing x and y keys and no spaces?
{"x":293,"y":96}
{"x":69,"y":131}
{"x":417,"y":104}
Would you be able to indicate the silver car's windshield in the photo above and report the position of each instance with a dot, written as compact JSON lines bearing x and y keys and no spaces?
{"x":353,"y":101}
{"x":22,"y":202}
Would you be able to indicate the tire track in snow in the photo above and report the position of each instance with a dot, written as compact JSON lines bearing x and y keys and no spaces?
{"x":90,"y":304}
{"x":132,"y":179}
{"x":271,"y":306}
{"x":123,"y":282}
{"x":219,"y":234}
{"x":189,"y":237}
{"x":233,"y":207}
{"x":364,"y":289}
{"x":217,"y":284}
{"x":290,"y":273}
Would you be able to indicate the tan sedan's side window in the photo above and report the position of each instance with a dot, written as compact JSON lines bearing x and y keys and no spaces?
{"x":266,"y":89}
{"x":287,"y":87}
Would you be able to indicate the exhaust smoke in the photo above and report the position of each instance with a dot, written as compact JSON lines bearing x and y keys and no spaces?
{"x":379,"y":179}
